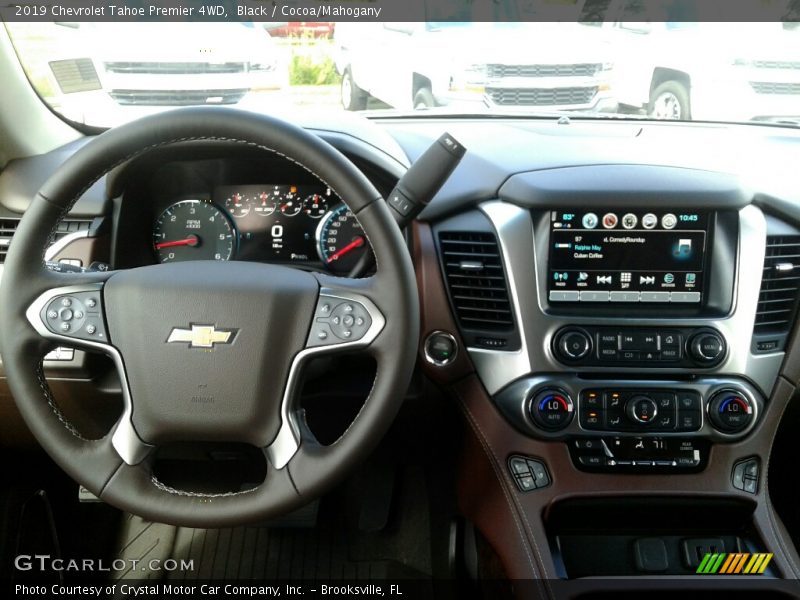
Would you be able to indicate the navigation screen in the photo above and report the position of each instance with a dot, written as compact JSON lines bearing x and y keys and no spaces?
{"x":622,"y":256}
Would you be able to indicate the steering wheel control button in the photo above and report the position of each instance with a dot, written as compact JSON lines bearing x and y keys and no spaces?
{"x":337,"y":320}
{"x":745,"y":475}
{"x":552,"y":409}
{"x":642,"y":409}
{"x":76,"y":315}
{"x":528,"y":473}
{"x":573,"y":345}
{"x":440,"y":348}
{"x":730,"y":411}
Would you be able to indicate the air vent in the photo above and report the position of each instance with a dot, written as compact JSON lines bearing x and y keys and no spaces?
{"x":476,"y":281}
{"x":9,"y":226}
{"x":7,"y":229}
{"x":780,"y":284}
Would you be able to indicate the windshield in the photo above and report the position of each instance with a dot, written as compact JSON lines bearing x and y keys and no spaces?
{"x":104,"y":74}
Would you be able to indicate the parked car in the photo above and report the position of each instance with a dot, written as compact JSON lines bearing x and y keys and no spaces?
{"x":402,"y":65}
{"x":750,"y":73}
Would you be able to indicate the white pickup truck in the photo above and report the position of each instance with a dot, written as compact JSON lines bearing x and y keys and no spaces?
{"x":530,"y":66}
{"x":674,"y":71}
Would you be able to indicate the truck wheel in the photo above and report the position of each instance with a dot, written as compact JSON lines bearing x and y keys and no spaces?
{"x":424,"y":99}
{"x":670,"y":100}
{"x":353,"y":97}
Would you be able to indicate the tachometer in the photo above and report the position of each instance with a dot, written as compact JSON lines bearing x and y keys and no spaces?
{"x":193,"y":230}
{"x":340,"y":240}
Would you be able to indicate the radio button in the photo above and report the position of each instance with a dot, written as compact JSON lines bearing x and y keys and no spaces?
{"x":654,"y":297}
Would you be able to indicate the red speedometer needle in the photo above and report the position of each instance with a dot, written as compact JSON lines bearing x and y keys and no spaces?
{"x":356,"y":243}
{"x":189,"y":241}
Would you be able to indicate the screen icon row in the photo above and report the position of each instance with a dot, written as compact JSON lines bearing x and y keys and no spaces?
{"x":629,"y":221}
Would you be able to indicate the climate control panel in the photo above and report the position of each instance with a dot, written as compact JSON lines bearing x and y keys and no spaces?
{"x":560,"y":406}
{"x":641,"y":410}
{"x":673,"y":347}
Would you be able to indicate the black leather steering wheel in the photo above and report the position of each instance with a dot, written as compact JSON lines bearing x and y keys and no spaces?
{"x":207,"y":350}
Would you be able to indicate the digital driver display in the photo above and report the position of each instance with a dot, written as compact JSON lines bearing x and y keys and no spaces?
{"x":627,"y":256}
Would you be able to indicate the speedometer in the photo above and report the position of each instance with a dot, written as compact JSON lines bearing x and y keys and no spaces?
{"x":340,"y":240}
{"x":193,"y":230}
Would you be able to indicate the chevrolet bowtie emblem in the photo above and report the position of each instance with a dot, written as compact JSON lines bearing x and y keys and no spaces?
{"x":201,"y":336}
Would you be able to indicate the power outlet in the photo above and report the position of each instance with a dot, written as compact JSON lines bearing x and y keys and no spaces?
{"x":695,"y":549}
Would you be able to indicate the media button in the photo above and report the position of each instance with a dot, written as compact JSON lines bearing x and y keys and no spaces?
{"x":668,"y":221}
{"x":649,"y":221}
{"x":589,"y":221}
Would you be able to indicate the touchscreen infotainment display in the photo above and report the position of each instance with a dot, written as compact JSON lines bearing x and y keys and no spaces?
{"x":627,"y":256}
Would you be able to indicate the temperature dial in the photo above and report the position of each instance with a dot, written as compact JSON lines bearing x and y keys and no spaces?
{"x":552,"y":409}
{"x":730,"y":411}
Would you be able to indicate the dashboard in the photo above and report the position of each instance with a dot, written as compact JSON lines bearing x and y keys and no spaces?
{"x":601,"y":305}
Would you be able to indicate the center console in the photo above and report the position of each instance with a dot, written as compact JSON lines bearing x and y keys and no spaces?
{"x":627,"y":361}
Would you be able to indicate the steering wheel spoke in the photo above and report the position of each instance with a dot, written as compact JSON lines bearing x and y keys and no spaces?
{"x":74,"y":315}
{"x":345,"y":320}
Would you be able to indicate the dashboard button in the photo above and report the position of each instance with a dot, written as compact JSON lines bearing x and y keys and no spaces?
{"x":573,"y":345}
{"x":540,"y":476}
{"x":670,"y":354}
{"x":592,"y":461}
{"x":630,"y":355}
{"x":639,"y":341}
{"x":654,"y":297}
{"x":689,"y":400}
{"x":730,"y":411}
{"x":593,"y":399}
{"x":689,"y":420}
{"x":642,"y":409}
{"x":564,"y":296}
{"x":592,"y":296}
{"x":707,"y":347}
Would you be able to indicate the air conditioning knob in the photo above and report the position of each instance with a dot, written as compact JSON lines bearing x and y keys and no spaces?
{"x":730,"y":411}
{"x":707,"y":348}
{"x":552,"y":409}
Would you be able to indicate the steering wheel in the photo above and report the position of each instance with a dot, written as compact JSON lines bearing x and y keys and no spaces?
{"x":207,"y":350}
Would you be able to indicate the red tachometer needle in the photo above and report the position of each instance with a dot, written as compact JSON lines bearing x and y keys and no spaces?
{"x":189,"y":241}
{"x":356,"y":243}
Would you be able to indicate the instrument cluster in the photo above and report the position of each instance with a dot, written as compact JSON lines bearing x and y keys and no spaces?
{"x":284,"y":223}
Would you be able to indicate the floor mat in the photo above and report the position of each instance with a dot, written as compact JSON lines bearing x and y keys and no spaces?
{"x":333,"y":549}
